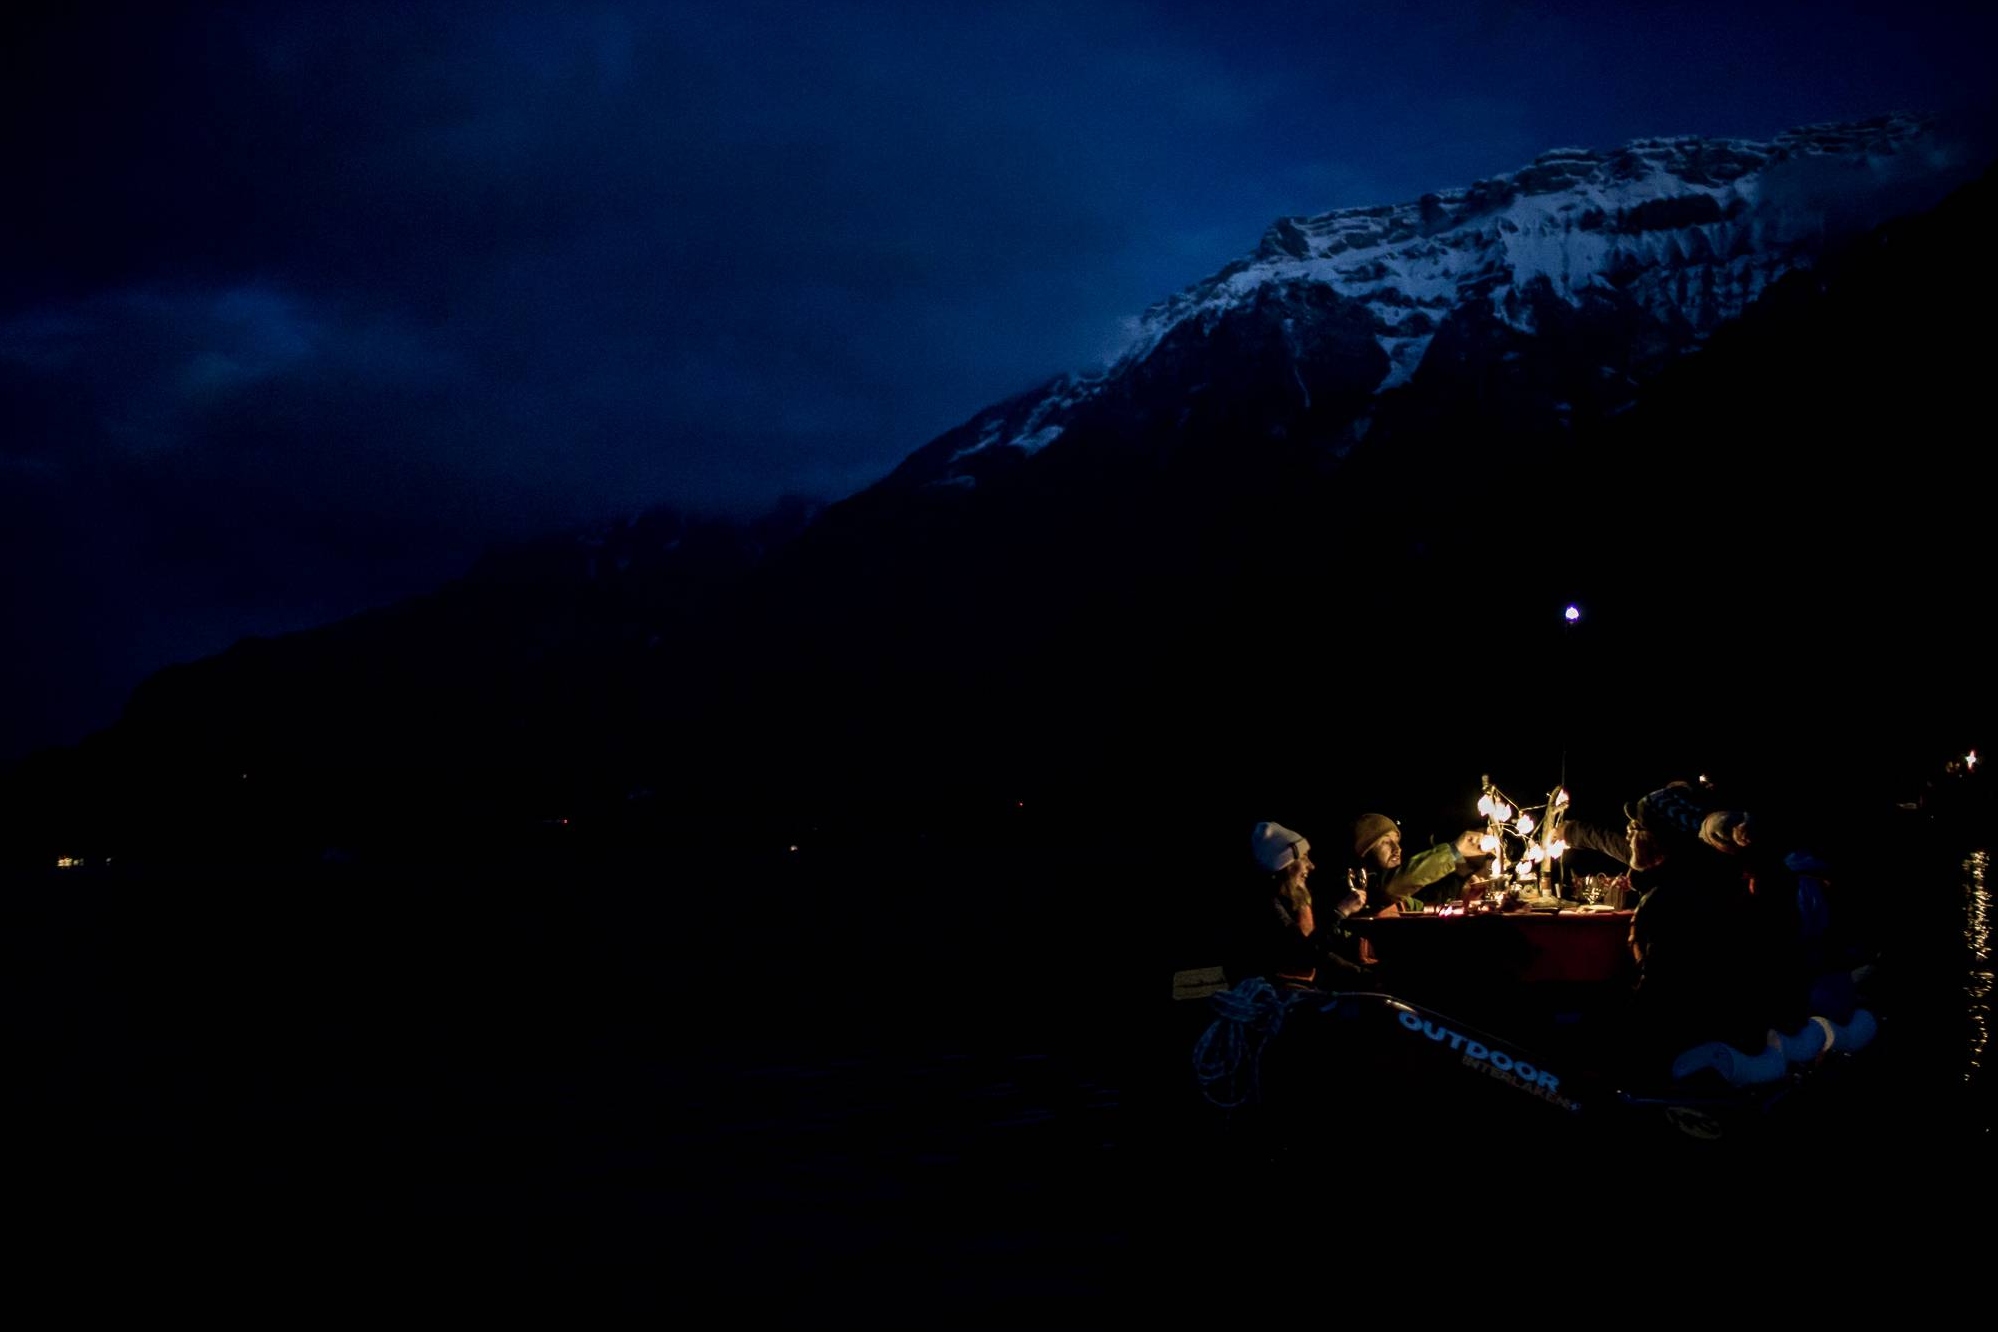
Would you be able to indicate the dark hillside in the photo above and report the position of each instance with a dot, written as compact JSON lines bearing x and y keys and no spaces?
{"x":1777,"y":547}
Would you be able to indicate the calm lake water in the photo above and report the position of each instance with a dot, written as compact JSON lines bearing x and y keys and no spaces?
{"x":252,"y":1089}
{"x":283,"y":1093}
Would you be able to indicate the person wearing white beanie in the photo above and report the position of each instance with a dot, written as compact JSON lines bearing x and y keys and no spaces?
{"x":1276,"y":847}
{"x":1285,"y":939}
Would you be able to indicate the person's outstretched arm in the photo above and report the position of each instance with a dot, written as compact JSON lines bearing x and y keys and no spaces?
{"x":1425,"y":868}
{"x":1612,"y":841}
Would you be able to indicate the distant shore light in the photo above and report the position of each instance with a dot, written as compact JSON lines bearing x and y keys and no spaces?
{"x":1572,"y":614}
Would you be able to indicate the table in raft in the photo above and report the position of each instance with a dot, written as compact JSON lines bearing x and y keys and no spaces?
{"x":1569,"y":945}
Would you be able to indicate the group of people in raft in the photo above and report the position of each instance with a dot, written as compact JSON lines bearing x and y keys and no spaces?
{"x":1739,"y":965}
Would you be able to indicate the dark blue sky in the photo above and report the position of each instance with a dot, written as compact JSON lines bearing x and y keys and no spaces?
{"x":302,"y":305}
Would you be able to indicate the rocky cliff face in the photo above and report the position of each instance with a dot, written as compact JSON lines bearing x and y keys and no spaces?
{"x":1641,"y":252}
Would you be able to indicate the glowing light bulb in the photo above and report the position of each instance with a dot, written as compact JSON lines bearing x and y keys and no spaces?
{"x":1485,"y":805}
{"x":1488,"y":844}
{"x":1572,"y":614}
{"x":1525,"y":824}
{"x":1501,"y":811}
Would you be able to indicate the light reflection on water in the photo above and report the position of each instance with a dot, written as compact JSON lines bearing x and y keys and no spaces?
{"x":1977,"y":981}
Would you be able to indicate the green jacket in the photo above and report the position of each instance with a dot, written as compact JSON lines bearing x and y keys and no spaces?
{"x":1420,"y":870}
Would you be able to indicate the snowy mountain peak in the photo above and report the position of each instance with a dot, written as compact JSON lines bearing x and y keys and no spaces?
{"x":1689,"y":230}
{"x":1576,"y":217}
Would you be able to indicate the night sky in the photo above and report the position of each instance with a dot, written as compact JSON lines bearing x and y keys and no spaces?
{"x":302,"y":306}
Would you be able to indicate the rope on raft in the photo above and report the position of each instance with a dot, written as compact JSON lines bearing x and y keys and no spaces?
{"x":1227,"y":1058}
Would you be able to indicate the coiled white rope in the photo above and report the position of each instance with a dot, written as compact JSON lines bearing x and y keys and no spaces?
{"x":1227,"y":1059}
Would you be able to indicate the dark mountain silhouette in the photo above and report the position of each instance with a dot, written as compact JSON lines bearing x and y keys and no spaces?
{"x":1238,"y":571}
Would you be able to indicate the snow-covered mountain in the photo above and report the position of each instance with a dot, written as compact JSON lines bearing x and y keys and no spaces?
{"x":1654,"y":244}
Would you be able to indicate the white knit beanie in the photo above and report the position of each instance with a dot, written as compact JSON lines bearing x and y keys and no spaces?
{"x":1276,"y":846}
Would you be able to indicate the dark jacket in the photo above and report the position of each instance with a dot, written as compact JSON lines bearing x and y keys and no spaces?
{"x":1712,"y":965}
{"x":1266,"y":937}
{"x":1712,"y":962}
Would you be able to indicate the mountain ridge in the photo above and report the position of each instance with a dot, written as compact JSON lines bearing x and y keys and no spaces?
{"x":1687,"y":229}
{"x":1204,"y":564}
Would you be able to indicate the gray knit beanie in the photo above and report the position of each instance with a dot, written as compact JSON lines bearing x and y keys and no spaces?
{"x":1276,"y":846}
